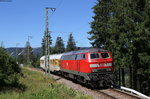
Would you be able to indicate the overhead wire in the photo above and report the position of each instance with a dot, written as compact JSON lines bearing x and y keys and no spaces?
{"x":56,"y":7}
{"x":34,"y":34}
{"x":59,"y":33}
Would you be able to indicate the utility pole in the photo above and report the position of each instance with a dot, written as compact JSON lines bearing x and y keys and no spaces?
{"x":47,"y":43}
{"x":17,"y":53}
{"x":28,"y":51}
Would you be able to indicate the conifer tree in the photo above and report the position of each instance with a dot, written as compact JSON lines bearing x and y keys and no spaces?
{"x":59,"y":45}
{"x":100,"y":24}
{"x":71,"y":45}
{"x":43,"y":44}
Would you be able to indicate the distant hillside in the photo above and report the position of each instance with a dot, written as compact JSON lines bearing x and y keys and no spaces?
{"x":12,"y":50}
{"x":36,"y":51}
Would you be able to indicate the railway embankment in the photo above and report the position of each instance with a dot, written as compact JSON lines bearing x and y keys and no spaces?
{"x":37,"y":85}
{"x":94,"y":93}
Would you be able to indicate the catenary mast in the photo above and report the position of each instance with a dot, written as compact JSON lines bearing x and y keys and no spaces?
{"x":47,"y":43}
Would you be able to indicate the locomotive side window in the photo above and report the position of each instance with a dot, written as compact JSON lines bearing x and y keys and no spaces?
{"x":68,"y":57}
{"x":72,"y":57}
{"x":83,"y":56}
{"x":78,"y":57}
{"x":105,"y":55}
{"x":94,"y":55}
{"x":64,"y":57}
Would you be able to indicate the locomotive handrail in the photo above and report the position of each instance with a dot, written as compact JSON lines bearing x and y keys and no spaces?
{"x":131,"y":91}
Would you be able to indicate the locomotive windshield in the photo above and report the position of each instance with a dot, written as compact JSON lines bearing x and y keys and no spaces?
{"x":104,"y":55}
{"x":94,"y":55}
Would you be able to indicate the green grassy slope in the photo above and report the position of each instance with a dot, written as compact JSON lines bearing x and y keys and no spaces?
{"x":35,"y":85}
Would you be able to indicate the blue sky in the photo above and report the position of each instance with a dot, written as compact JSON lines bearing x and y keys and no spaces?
{"x":22,"y":18}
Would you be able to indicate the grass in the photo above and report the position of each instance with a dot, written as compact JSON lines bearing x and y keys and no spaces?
{"x":39,"y":86}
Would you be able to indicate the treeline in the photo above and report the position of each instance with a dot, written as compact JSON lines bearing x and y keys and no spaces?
{"x":26,"y":56}
{"x":123,"y":27}
{"x":59,"y":46}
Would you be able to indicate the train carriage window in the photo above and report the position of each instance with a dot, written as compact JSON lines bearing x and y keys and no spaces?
{"x":94,"y":55}
{"x":50,"y":61}
{"x":53,"y":62}
{"x":42,"y":61}
{"x":58,"y":62}
{"x":105,"y":55}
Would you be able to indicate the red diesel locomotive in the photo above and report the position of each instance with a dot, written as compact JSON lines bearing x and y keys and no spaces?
{"x":90,"y":66}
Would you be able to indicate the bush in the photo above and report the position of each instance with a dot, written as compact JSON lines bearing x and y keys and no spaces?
{"x":9,"y":70}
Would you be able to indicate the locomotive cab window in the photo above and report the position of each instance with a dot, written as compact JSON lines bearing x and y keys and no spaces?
{"x":94,"y":55}
{"x":83,"y":56}
{"x":105,"y":55}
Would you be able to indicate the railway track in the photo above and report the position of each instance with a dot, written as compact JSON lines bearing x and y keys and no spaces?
{"x":117,"y":94}
{"x":97,"y":94}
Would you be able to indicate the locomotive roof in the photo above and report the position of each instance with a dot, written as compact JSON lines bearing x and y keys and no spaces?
{"x":86,"y":51}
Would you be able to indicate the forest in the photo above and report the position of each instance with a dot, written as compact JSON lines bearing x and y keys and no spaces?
{"x":123,"y":28}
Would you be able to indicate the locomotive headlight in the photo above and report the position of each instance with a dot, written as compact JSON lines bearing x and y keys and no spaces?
{"x":107,"y":64}
{"x":94,"y":65}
